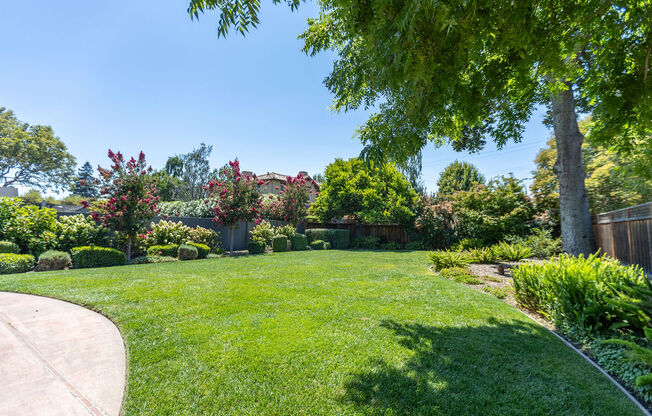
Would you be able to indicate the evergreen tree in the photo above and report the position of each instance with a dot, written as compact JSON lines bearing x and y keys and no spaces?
{"x":84,"y":183}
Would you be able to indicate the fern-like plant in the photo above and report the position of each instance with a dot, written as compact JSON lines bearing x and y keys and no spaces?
{"x":638,"y":354}
{"x":482,"y":255}
{"x":443,"y":259}
{"x":511,"y":252}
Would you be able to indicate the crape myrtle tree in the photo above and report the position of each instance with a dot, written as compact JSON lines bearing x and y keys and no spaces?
{"x":128,"y":196}
{"x":459,"y":176}
{"x":293,"y":199}
{"x":463,"y":72}
{"x":234,"y":198}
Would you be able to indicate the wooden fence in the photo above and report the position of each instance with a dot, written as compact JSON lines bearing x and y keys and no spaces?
{"x":386,"y":232}
{"x":626,"y":234}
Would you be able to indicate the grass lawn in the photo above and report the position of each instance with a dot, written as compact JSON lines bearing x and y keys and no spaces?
{"x":326,"y":333}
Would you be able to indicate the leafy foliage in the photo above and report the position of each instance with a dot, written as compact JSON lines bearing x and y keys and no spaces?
{"x":16,"y":263}
{"x":9,"y":247}
{"x":187,"y":252}
{"x":583,"y":292}
{"x":93,"y":256}
{"x":318,"y":245}
{"x":205,"y":236}
{"x":32,"y":156}
{"x":299,"y":242}
{"x":78,"y":230}
{"x":510,"y":252}
{"x":84,"y":183}
{"x":279,"y":243}
{"x":202,"y":249}
{"x":191,"y":171}
{"x":193,"y":209}
{"x":256,"y":247}
{"x":168,"y":250}
{"x":293,"y":199}
{"x":366,"y":242}
{"x":374,"y":193}
{"x":484,"y":255}
{"x":31,"y":227}
{"x":434,"y":222}
{"x":444,"y":259}
{"x":129,"y":196}
{"x":263,"y":232}
{"x":53,"y":260}
{"x":540,"y":242}
{"x":459,"y":176}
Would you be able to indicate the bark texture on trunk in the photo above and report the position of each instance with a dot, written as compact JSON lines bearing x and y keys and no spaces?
{"x":128,"y":247}
{"x":576,"y":228}
{"x":232,"y":235}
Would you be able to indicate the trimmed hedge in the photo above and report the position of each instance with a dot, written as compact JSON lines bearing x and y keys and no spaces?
{"x":256,"y":247}
{"x":93,"y":256}
{"x":187,"y":252}
{"x":53,"y":260}
{"x":299,"y":242}
{"x":169,"y":250}
{"x":279,"y":243}
{"x":338,"y":238}
{"x":9,"y":247}
{"x":202,"y":249}
{"x":318,"y":245}
{"x":16,"y":263}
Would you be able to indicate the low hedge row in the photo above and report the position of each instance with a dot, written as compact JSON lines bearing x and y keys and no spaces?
{"x":299,"y":242}
{"x":169,"y":250}
{"x":93,"y":256}
{"x":202,"y":249}
{"x":279,"y":243}
{"x":9,"y":247}
{"x":339,"y":239}
{"x":256,"y":247}
{"x":16,"y":263}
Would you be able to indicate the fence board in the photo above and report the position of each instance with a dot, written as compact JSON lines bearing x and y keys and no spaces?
{"x":626,"y":234}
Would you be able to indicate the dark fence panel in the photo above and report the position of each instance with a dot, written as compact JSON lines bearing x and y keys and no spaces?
{"x":626,"y":234}
{"x":386,"y":232}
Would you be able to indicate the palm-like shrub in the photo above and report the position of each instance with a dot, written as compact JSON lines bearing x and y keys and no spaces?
{"x":482,"y":255}
{"x":510,"y":252}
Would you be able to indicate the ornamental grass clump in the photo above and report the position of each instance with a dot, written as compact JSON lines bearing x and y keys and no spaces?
{"x":510,"y":252}
{"x":187,"y":252}
{"x":53,"y":260}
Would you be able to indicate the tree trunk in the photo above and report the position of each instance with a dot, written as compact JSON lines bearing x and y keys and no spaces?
{"x":232,"y":235}
{"x":576,"y":228}
{"x":128,"y":247}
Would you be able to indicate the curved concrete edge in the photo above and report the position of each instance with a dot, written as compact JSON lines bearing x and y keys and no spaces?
{"x":59,"y":358}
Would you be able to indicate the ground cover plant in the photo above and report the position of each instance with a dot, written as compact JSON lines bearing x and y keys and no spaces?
{"x":328,"y":333}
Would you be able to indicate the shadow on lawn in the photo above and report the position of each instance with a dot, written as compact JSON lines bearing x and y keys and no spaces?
{"x":497,"y":369}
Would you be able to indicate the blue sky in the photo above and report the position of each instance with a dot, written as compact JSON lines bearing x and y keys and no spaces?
{"x":142,"y":76}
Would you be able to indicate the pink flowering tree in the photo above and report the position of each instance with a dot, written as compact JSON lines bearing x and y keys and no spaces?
{"x":234,"y":198}
{"x":293,"y":199}
{"x":128,"y":196}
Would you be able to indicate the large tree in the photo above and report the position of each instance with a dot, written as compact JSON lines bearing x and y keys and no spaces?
{"x":462,"y":72}
{"x":458,"y":176}
{"x":368,"y":193}
{"x":84,"y":184}
{"x":32,"y":156}
{"x":193,"y":171}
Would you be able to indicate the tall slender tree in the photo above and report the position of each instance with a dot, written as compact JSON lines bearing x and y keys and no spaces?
{"x":84,"y":183}
{"x":465,"y":71}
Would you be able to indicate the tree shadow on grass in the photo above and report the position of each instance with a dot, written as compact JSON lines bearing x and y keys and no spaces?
{"x":497,"y":369}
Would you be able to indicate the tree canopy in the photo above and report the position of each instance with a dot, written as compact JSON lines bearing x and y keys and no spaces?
{"x":192,"y":172}
{"x":32,"y":156}
{"x":459,"y":176}
{"x":84,"y":182}
{"x":369,"y":193}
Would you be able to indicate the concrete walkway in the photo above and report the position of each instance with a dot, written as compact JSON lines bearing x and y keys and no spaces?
{"x":57,"y":358}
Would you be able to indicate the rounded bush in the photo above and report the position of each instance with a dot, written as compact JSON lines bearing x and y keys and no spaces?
{"x":299,"y":242}
{"x":93,"y":256}
{"x":187,"y":252}
{"x":279,"y":243}
{"x":16,"y":263}
{"x":318,"y":245}
{"x":169,"y":250}
{"x":53,"y":260}
{"x":202,"y":249}
{"x":9,"y":247}
{"x":256,"y":247}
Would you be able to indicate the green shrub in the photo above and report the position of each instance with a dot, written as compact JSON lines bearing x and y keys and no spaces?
{"x":443,"y":259}
{"x":187,"y":252}
{"x":339,"y":239}
{"x":30,"y":227}
{"x":482,"y":255}
{"x":53,"y":260}
{"x":460,"y":275}
{"x":415,"y":245}
{"x":16,"y":263}
{"x":171,"y":250}
{"x":263,"y":232}
{"x":78,"y":230}
{"x":93,"y":256}
{"x":586,"y":292}
{"x":152,"y":259}
{"x":467,"y":244}
{"x":318,"y":245}
{"x":165,"y":233}
{"x":9,"y":247}
{"x":202,"y":249}
{"x":313,"y":234}
{"x":541,"y":243}
{"x":638,"y":354}
{"x":279,"y":243}
{"x":327,"y":245}
{"x":287,"y":230}
{"x":211,"y":238}
{"x":193,"y":209}
{"x":392,"y":245}
{"x":299,"y":242}
{"x":510,"y":252}
{"x":368,"y":243}
{"x":256,"y":247}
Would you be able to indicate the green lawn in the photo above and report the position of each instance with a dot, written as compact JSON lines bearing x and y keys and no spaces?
{"x":326,"y":333}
